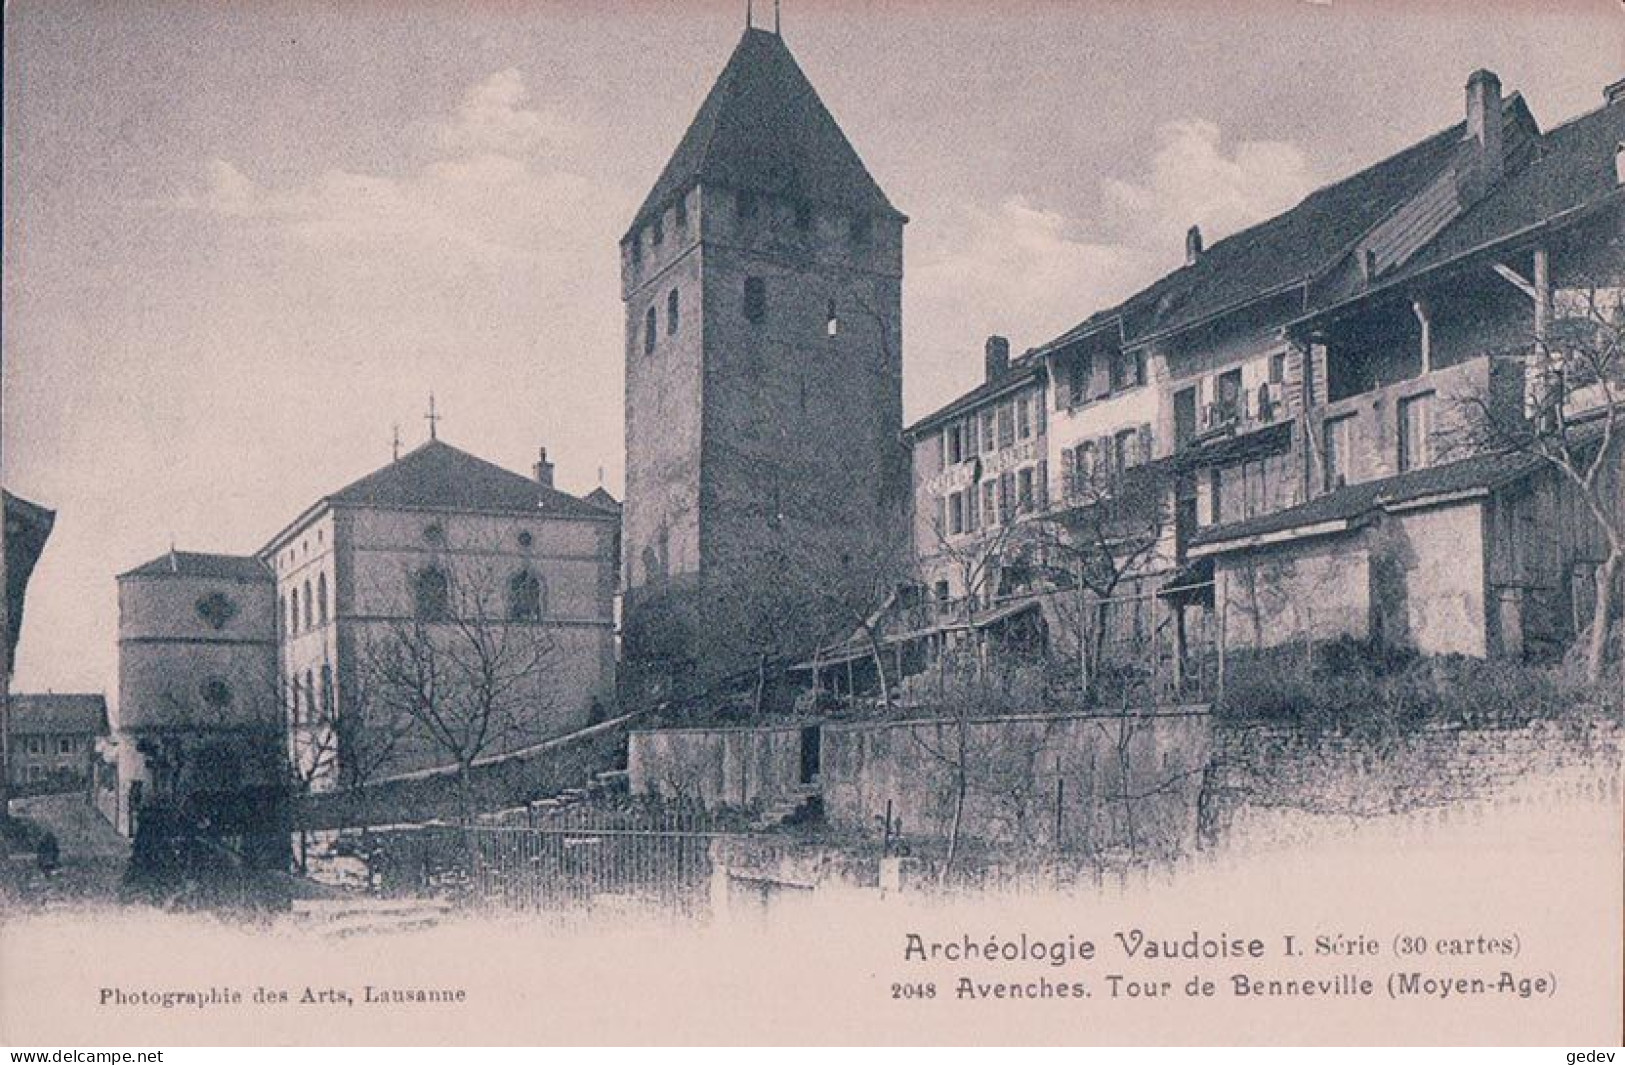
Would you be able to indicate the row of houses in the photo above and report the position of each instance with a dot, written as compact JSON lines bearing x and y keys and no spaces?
{"x":1306,"y":431}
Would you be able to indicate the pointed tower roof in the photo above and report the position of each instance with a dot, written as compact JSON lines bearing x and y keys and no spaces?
{"x":763,"y":128}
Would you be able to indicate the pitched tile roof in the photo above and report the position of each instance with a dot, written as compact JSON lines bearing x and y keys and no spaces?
{"x":1301,"y":244}
{"x":1574,"y":167}
{"x":1022,"y":370}
{"x":440,"y":476}
{"x":202,"y":564}
{"x":599,"y":497}
{"x":763,"y":128}
{"x":1488,"y":471}
{"x":41,"y":714}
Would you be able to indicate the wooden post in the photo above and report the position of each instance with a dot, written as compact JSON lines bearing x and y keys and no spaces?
{"x":1220,"y":588}
{"x":1060,"y":798}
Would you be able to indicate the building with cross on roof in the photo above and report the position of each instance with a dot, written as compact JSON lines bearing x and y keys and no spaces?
{"x":231,"y":664}
{"x":438,"y":541}
{"x":761,"y":279}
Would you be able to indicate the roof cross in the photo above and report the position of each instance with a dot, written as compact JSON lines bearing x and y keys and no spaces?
{"x":432,"y":418}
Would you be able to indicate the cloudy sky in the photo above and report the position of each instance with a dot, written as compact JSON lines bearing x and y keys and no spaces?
{"x":243,"y":242}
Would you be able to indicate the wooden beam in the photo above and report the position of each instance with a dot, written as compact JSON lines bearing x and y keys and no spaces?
{"x":1542,"y":293}
{"x":1516,"y":280}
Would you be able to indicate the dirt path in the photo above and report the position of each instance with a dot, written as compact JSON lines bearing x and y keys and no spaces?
{"x":92,"y":854}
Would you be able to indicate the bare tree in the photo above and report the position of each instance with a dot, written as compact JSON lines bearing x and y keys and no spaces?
{"x":853,"y":576}
{"x":1573,"y":420}
{"x":975,"y":558}
{"x":1112,"y":526}
{"x":341,"y":737}
{"x":469,"y":673}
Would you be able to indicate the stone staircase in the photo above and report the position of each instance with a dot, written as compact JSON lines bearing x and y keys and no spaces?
{"x":799,"y":806}
{"x":602,"y":783}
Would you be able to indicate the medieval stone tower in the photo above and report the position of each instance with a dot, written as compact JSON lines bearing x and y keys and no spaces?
{"x":762,"y":281}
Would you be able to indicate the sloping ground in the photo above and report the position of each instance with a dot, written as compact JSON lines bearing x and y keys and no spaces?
{"x":499,"y":783}
{"x":91,"y":855}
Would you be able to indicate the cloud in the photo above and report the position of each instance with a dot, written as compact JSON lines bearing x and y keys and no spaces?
{"x":490,"y":197}
{"x":492,"y":118}
{"x":1032,"y":271}
{"x":1012,"y":266}
{"x":1193,"y":181}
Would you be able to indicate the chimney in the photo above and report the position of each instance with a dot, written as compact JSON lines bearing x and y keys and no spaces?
{"x":543,"y":469}
{"x":1484,"y":128}
{"x":1193,"y":244}
{"x":998,"y":356}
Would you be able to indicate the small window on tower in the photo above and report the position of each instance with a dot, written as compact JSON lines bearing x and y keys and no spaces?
{"x":680,"y":213}
{"x":657,"y":233}
{"x":671,"y":313}
{"x":649,"y":332}
{"x":755,"y":299}
{"x":832,"y":321}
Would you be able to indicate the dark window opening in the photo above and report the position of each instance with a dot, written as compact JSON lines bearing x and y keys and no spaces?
{"x":1382,"y":349}
{"x":216,"y":694}
{"x":672,"y":312}
{"x":680,"y":212}
{"x":1184,"y":416}
{"x":657,"y":233}
{"x":431,"y":595}
{"x":321,"y":599}
{"x":524,"y":597}
{"x":1415,"y":432}
{"x":1227,"y":398}
{"x":1336,"y":451}
{"x":755,"y":299}
{"x":649,"y":332}
{"x":1128,"y":369}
